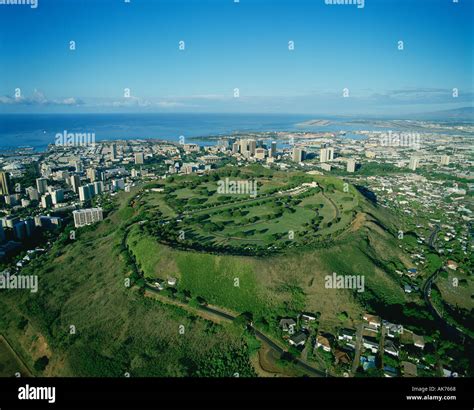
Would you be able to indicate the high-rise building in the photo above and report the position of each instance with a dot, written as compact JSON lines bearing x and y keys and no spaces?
{"x":139,"y":158}
{"x":86,"y":192}
{"x":260,"y":153}
{"x":46,"y":201}
{"x":4,"y":183}
{"x":252,"y":144}
{"x":113,"y":152}
{"x":414,"y":162}
{"x":9,"y":221}
{"x":273,"y":149}
{"x":11,"y":200}
{"x":298,"y":154}
{"x":91,"y":174}
{"x":235,"y":147}
{"x":30,"y":226}
{"x":243,"y":146}
{"x":42,"y":185}
{"x":326,"y":154}
{"x":88,"y":216}
{"x":77,"y":164}
{"x":118,"y":184}
{"x":19,"y":231}
{"x":98,"y":187}
{"x":47,"y":222}
{"x":351,"y":165}
{"x":32,"y":193}
{"x":75,"y":183}
{"x":57,"y":196}
{"x":445,"y":160}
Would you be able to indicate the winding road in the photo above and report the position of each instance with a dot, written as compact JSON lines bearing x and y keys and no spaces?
{"x":452,"y":331}
{"x":225,"y":315}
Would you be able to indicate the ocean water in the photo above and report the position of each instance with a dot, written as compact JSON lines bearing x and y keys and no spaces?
{"x":39,"y":130}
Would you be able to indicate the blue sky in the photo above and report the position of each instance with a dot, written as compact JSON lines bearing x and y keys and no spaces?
{"x":241,"y":45}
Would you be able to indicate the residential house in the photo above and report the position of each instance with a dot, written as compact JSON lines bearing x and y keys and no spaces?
{"x":298,"y":339}
{"x":392,"y":329}
{"x":347,"y":335}
{"x":418,"y":341}
{"x":390,"y":348}
{"x":308,"y":316}
{"x":341,"y":357}
{"x":288,"y":325}
{"x":372,"y":320}
{"x":371,"y":344}
{"x":323,"y":342}
{"x":449,"y":373}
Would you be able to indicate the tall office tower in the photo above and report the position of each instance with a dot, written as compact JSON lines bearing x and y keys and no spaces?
{"x":46,"y":201}
{"x":235,"y":147}
{"x":330,"y":153}
{"x":42,"y":185}
{"x":32,"y":193}
{"x":98,"y":187}
{"x":414,"y":161}
{"x":243,"y":146}
{"x":9,"y":220}
{"x":298,"y":154}
{"x":445,"y":160}
{"x":86,"y":192}
{"x":139,"y":158}
{"x":87,"y":216}
{"x":30,"y":226}
{"x":351,"y":165}
{"x":19,"y":231}
{"x":326,"y":154}
{"x":57,"y":196}
{"x":113,"y":152}
{"x":273,"y":149}
{"x":91,"y":174}
{"x":252,"y":144}
{"x":118,"y":184}
{"x":75,"y":183}
{"x":11,"y":200}
{"x":4,"y":183}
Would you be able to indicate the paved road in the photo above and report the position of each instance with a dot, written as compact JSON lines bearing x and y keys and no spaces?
{"x":259,"y":335}
{"x":431,"y":241}
{"x":269,"y":341}
{"x":452,"y":331}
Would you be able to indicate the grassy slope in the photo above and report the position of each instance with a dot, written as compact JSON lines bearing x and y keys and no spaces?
{"x":267,"y":285}
{"x":118,"y":330}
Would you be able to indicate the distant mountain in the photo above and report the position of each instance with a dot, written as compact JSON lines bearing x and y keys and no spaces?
{"x":458,"y":114}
